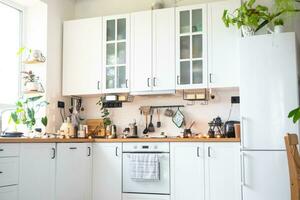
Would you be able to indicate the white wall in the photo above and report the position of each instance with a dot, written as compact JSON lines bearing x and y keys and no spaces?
{"x":202,"y":114}
{"x":58,"y":11}
{"x":92,"y":8}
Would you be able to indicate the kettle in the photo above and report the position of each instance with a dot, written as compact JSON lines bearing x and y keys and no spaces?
{"x":229,"y":130}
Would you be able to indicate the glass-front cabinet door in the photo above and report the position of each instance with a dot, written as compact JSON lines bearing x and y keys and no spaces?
{"x":191,"y":56}
{"x":116,"y":50}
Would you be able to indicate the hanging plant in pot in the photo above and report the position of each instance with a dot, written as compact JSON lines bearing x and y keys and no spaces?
{"x":31,"y":81}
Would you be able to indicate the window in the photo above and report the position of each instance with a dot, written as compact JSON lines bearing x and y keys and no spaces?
{"x":10,"y":42}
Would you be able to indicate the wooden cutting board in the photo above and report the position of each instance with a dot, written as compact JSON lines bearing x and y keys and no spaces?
{"x":94,"y":124}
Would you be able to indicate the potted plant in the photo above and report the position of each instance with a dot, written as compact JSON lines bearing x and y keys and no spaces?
{"x":251,"y":19}
{"x":107,"y":122}
{"x":278,"y":25}
{"x":247,"y":17}
{"x":30,"y":81}
{"x":26,"y":110}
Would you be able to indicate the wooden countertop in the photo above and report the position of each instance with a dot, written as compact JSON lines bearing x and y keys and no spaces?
{"x":40,"y":140}
{"x":44,"y":140}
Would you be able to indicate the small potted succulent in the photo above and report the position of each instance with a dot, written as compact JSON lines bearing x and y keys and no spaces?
{"x":278,"y":26}
{"x":31,"y":81}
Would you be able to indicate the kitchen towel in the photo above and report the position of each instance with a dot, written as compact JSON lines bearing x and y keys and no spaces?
{"x":144,"y":167}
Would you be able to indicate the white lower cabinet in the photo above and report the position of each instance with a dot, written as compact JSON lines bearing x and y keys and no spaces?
{"x":107,"y":171}
{"x":73,"y":171}
{"x":9,"y":174}
{"x":9,"y":171}
{"x":222,"y":171}
{"x":145,"y":197}
{"x":37,"y":171}
{"x":9,"y":193}
{"x":209,"y":171}
{"x":187,"y":171}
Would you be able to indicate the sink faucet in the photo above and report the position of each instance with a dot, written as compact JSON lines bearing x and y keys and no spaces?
{"x":2,"y":110}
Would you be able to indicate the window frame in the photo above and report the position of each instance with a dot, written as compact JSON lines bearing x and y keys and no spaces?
{"x":21,"y":9}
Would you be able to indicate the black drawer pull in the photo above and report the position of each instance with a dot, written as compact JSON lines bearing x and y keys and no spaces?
{"x":1,"y":172}
{"x":1,"y":149}
{"x":73,"y":148}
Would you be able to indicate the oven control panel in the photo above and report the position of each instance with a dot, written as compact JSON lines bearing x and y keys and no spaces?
{"x":146,"y":147}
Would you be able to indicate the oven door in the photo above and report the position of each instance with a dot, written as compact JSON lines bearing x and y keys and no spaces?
{"x":147,"y":187}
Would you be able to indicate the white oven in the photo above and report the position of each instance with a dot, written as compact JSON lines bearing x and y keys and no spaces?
{"x":140,"y":190}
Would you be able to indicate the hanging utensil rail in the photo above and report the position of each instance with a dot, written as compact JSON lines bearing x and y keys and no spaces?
{"x":169,"y":106}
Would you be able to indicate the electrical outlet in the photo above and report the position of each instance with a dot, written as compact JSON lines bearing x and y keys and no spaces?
{"x":235,"y":100}
{"x":61,"y":104}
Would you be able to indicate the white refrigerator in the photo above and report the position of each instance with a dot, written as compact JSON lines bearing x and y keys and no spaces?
{"x":268,"y":91}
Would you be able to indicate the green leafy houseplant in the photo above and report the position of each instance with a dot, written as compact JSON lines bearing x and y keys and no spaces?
{"x":278,"y":22}
{"x":26,"y":110}
{"x":295,"y":115}
{"x":104,"y":112}
{"x":258,"y":17}
{"x":247,"y":15}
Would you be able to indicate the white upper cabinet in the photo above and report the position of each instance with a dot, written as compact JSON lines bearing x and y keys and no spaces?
{"x":37,"y":171}
{"x":82,"y":51}
{"x":163,"y":50}
{"x":222,"y":171}
{"x":191,"y":47}
{"x":153,"y":51}
{"x":116,"y":54}
{"x":223,"y":46}
{"x":141,"y":52}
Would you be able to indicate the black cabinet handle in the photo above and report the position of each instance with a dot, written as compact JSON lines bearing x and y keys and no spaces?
{"x":98,"y":85}
{"x":148,"y":82}
{"x":209,"y":152}
{"x":53,"y":153}
{"x":1,"y":149}
{"x":1,"y":172}
{"x":198,"y":152}
{"x":154,"y":81}
{"x":89,"y":151}
{"x":210,"y":77}
{"x":73,"y":148}
{"x":117,"y":149}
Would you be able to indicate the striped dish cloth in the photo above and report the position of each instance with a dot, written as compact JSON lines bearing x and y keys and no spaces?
{"x":144,"y":167}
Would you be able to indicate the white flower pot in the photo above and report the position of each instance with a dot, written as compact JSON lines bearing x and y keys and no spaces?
{"x":278,"y":29}
{"x":31,"y":86}
{"x":247,"y":31}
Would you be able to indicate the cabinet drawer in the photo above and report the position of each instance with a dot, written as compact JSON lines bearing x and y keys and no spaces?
{"x":9,"y":171}
{"x":9,"y":193}
{"x":9,"y":150}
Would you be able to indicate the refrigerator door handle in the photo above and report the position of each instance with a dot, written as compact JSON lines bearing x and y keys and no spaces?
{"x":243,"y":131}
{"x":243,"y":169}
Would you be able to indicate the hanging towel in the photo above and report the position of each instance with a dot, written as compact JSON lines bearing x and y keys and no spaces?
{"x":144,"y":167}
